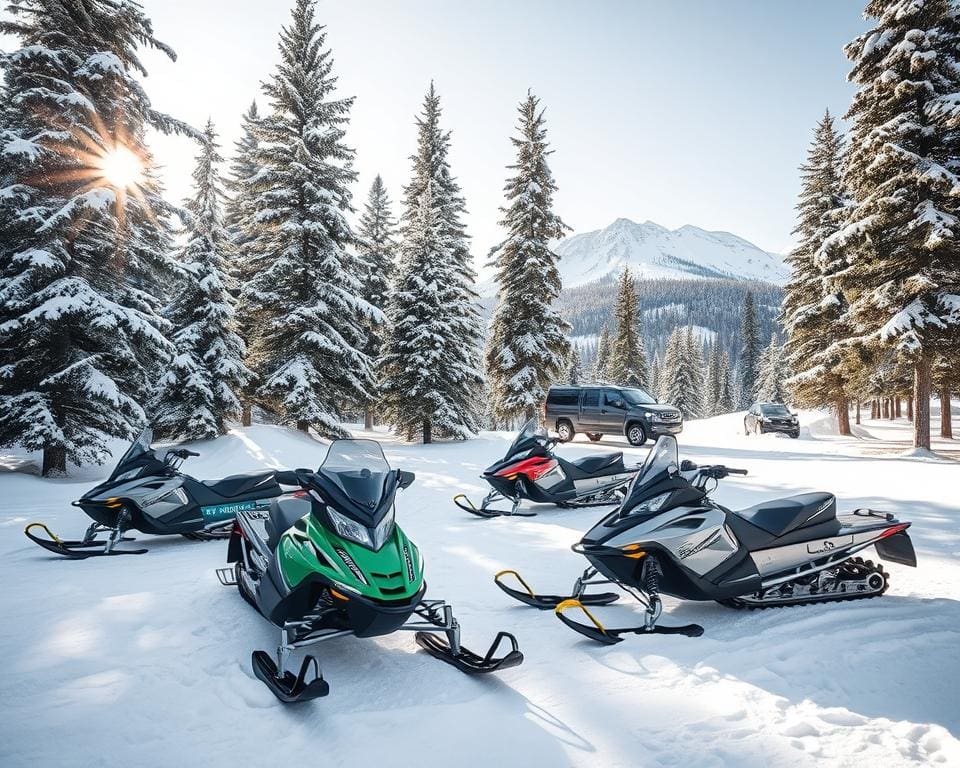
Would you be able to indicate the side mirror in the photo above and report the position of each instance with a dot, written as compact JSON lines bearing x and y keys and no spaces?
{"x":405,"y":479}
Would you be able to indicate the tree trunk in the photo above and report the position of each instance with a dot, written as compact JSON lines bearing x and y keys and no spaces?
{"x":427,"y":431}
{"x":897,"y":406}
{"x":946,"y":419}
{"x":843,"y":417}
{"x":910,"y":408}
{"x":921,"y":402}
{"x":54,"y":461}
{"x":886,"y":408}
{"x":858,"y":410}
{"x":368,"y":418}
{"x":303,"y":426}
{"x":246,"y":416}
{"x":529,"y":412}
{"x":873,"y":409}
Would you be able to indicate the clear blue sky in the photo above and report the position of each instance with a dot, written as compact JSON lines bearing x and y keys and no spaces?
{"x":679,"y":111}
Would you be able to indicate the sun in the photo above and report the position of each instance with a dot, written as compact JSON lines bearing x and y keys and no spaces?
{"x":121,"y":167}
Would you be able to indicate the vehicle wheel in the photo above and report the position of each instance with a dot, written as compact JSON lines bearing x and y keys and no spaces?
{"x":565,"y":431}
{"x":594,"y":436}
{"x":794,"y":435}
{"x":636,"y":435}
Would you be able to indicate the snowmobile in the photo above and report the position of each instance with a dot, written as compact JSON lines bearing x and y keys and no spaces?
{"x":530,"y":470}
{"x":329,"y":560}
{"x":669,"y":537}
{"x":146,"y":492}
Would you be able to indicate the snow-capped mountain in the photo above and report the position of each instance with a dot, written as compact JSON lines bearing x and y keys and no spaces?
{"x":653,"y":251}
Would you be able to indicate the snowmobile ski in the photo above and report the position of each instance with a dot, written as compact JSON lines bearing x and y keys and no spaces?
{"x":290,"y":688}
{"x":466,"y":660}
{"x":548,"y":602}
{"x":83,"y":548}
{"x":462,"y":501}
{"x":612,"y":635}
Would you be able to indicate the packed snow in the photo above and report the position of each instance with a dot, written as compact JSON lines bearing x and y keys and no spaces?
{"x":146,"y":660}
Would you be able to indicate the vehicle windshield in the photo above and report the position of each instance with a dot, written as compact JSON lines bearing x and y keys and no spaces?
{"x":139,"y":446}
{"x":528,"y":431}
{"x":356,"y":458}
{"x":775,"y":410}
{"x":637,"y":397}
{"x":661,"y":458}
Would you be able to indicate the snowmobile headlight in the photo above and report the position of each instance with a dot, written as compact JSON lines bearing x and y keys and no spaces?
{"x":650,"y":505}
{"x":384,"y":528}
{"x":349,"y":529}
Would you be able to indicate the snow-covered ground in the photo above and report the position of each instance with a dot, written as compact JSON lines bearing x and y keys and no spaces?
{"x":145,"y":661}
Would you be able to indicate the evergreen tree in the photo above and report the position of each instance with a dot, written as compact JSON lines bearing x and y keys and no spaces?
{"x":900,"y":240}
{"x":84,"y":229}
{"x":527,"y":346}
{"x":575,"y":370}
{"x":628,"y":354}
{"x":305,"y":307}
{"x":813,"y":309}
{"x":749,"y":350}
{"x":682,"y":373}
{"x":197,"y":394}
{"x":725,"y":393}
{"x":771,"y":386}
{"x":431,"y":359}
{"x":378,"y":250}
{"x":711,"y":403}
{"x":655,"y":376}
{"x":602,"y":360}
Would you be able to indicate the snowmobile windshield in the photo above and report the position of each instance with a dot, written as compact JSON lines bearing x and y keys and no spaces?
{"x":663,"y":458}
{"x":529,"y":431}
{"x":138,"y":447}
{"x":637,"y":397}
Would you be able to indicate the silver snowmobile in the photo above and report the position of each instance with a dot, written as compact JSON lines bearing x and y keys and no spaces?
{"x":669,"y":537}
{"x":146,"y":492}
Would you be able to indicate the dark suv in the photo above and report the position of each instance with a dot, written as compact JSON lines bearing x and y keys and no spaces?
{"x":598,"y":411}
{"x":770,"y":417}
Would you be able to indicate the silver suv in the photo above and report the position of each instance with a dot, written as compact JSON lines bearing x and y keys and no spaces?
{"x":601,"y":410}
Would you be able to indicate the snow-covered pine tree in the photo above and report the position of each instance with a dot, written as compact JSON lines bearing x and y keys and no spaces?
{"x":900,"y":240}
{"x":239,"y":216}
{"x":749,"y":350}
{"x":575,"y":369}
{"x":726,"y":402}
{"x":378,"y":252}
{"x":602,"y":360}
{"x":655,"y":376}
{"x":771,"y":387}
{"x":527,"y":346}
{"x":628,"y":354}
{"x":84,"y":230}
{"x":813,"y":307}
{"x":308,"y":318}
{"x":197,"y":394}
{"x":682,"y":373}
{"x":711,"y":399}
{"x":430,"y":366}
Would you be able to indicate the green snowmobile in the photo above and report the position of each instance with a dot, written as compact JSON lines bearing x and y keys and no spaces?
{"x":328,"y":560}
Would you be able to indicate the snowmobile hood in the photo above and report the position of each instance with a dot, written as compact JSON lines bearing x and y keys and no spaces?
{"x":392,"y":573}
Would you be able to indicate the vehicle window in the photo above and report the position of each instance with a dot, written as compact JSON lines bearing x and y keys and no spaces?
{"x":563,"y":397}
{"x":591,"y":398}
{"x":613,"y":398}
{"x":775,"y":410}
{"x":637,"y":397}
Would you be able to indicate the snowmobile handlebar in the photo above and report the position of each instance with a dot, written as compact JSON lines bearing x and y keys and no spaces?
{"x":713,"y":471}
{"x":182,"y":453}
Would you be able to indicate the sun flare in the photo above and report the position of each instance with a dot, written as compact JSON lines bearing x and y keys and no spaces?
{"x":121,"y":168}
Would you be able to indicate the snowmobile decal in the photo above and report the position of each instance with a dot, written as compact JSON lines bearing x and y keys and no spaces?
{"x":226,"y":511}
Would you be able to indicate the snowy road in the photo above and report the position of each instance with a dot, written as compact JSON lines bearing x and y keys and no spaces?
{"x":146,"y":660}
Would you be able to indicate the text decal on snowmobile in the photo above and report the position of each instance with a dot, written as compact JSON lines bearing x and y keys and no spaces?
{"x":222,"y":511}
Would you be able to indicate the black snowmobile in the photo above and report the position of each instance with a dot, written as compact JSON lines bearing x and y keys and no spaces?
{"x":668,"y":537}
{"x":146,"y":492}
{"x":530,"y":470}
{"x":329,"y":560}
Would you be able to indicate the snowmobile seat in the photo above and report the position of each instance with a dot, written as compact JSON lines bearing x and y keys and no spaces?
{"x":781,"y":516}
{"x":608,"y":463}
{"x":284,"y":513}
{"x":239,"y":485}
